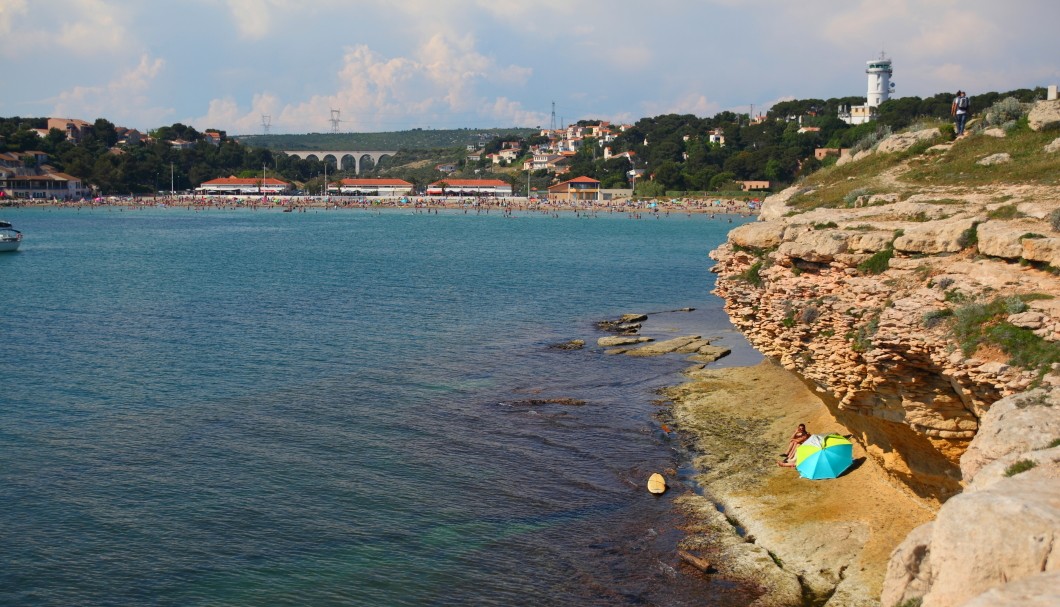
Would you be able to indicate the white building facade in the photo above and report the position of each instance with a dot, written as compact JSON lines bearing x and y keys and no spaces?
{"x":879,"y":90}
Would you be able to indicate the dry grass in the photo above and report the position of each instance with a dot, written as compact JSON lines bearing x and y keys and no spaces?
{"x":915,"y":169}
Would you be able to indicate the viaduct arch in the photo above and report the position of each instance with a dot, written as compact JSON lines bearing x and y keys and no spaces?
{"x":342,"y":158}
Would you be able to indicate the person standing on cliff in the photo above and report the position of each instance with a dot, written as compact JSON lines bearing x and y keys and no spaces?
{"x":960,"y":110}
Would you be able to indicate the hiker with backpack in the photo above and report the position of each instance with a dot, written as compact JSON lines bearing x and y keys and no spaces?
{"x":960,"y":110}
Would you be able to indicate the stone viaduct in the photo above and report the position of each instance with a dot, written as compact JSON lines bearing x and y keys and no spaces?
{"x":342,"y":159}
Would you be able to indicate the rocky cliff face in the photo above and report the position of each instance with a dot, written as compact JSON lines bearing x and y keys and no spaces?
{"x":914,"y":307}
{"x":924,"y":309}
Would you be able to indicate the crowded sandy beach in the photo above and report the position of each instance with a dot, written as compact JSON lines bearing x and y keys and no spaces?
{"x":641,"y":206}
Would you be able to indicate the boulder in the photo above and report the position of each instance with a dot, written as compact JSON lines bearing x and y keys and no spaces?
{"x":1044,"y":115}
{"x":909,"y":570}
{"x":1001,"y":239}
{"x":993,"y":159}
{"x":709,"y":354}
{"x":1042,"y":590}
{"x":816,"y":246}
{"x":776,"y":206}
{"x":934,"y":237}
{"x":984,"y":539}
{"x":1017,"y":424}
{"x":995,"y":132}
{"x":619,"y":340}
{"x":759,"y":235}
{"x":663,"y":347}
{"x":903,"y":141}
{"x":1044,"y":467}
{"x":1053,"y":147}
{"x":869,"y":242}
{"x":1046,"y":250}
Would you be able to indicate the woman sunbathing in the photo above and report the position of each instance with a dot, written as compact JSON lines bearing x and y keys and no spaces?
{"x":798,"y":438}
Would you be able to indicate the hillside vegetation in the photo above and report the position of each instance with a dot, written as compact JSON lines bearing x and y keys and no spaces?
{"x":415,"y":139}
{"x":674,"y":152}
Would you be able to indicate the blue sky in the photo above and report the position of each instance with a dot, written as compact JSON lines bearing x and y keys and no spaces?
{"x":401,"y":64}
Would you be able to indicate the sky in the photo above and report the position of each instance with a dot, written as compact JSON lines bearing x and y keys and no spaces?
{"x":389,"y":65}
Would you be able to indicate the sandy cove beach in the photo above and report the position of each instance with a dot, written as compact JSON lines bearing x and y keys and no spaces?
{"x":802,"y":541}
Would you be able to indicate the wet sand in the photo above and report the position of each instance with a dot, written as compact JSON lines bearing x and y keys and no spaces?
{"x":799,"y":539}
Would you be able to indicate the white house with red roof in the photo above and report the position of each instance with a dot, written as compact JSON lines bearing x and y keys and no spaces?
{"x":470,"y":187}
{"x":371,"y":187}
{"x":244,"y":185}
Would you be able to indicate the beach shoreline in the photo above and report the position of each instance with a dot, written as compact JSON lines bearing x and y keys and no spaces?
{"x":744,"y":207}
{"x":801,"y":541}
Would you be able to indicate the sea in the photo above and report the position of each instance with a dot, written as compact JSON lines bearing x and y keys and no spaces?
{"x":346,"y":407}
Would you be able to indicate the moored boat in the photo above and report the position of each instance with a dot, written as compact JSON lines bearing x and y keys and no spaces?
{"x":10,"y":238}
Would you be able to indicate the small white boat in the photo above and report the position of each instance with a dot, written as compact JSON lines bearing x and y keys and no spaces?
{"x":10,"y":238}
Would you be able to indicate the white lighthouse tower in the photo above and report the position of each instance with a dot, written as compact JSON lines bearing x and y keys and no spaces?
{"x":879,"y":71}
{"x":880,"y":85}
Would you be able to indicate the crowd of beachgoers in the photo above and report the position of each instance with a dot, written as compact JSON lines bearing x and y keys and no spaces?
{"x":480,"y":203}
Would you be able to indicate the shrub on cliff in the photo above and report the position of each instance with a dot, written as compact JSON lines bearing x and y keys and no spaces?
{"x":1054,"y":220}
{"x":878,"y":263}
{"x":1004,"y":112}
{"x":751,"y":275}
{"x":984,"y":324}
{"x":1022,"y":465}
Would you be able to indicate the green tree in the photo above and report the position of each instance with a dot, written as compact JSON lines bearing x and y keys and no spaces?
{"x":723,"y":182}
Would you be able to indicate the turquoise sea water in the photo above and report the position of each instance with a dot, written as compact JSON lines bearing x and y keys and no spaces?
{"x":337,"y":408}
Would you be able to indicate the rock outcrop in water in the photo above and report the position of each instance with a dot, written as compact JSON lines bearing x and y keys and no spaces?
{"x":912,"y":291}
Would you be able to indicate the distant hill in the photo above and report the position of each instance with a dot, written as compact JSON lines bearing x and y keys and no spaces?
{"x":416,"y":139}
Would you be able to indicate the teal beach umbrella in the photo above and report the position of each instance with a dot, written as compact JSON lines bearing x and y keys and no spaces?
{"x":824,"y":456}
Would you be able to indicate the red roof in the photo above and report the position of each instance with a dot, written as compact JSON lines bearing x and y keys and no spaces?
{"x":472,"y":183}
{"x":376,"y":182}
{"x":582,"y":179}
{"x":254,"y":181}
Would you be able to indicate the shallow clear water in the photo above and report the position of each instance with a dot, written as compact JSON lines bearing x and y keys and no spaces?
{"x":333,"y":408}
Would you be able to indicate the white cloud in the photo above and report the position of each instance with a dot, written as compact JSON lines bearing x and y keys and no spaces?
{"x":87,"y":27}
{"x":441,"y":81}
{"x":9,"y":10}
{"x":95,"y":25}
{"x":123,"y":100}
{"x":253,"y":19}
{"x":693,"y":103}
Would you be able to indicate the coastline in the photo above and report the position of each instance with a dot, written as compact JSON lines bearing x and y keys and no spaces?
{"x":801,"y":541}
{"x":746,"y":206}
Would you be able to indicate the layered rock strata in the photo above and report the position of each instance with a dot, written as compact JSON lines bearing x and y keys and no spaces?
{"x":861,"y":303}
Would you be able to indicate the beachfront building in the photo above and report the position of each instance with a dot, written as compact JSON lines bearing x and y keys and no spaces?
{"x":880,"y":86}
{"x":470,"y":187}
{"x":575,"y":190}
{"x":747,"y":186}
{"x":371,"y":187}
{"x":46,"y":185}
{"x":234,"y":186}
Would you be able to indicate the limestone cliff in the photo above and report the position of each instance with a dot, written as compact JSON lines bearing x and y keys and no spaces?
{"x":914,"y":288}
{"x":911,"y":287}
